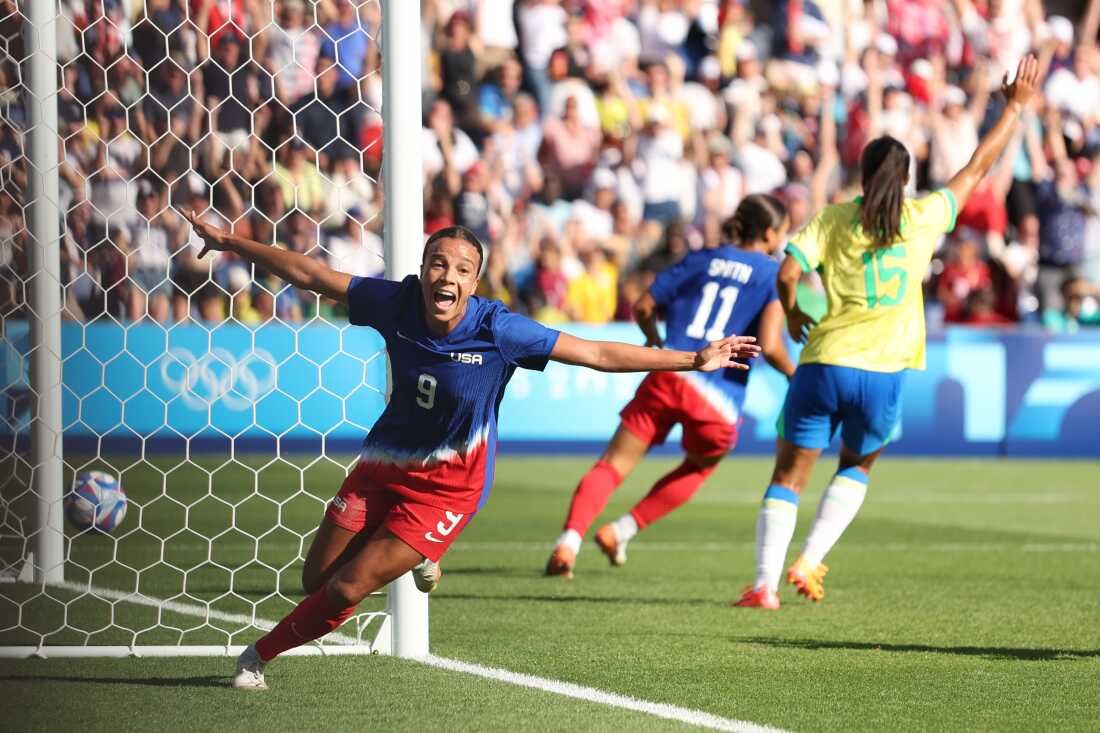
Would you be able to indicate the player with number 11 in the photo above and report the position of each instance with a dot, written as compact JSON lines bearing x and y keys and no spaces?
{"x":703,"y":297}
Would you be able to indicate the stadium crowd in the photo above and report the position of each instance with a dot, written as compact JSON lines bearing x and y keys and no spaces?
{"x":590,"y":142}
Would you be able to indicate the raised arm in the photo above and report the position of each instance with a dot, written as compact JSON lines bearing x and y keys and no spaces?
{"x":297,"y":269}
{"x":612,"y":356}
{"x":1017,"y":94}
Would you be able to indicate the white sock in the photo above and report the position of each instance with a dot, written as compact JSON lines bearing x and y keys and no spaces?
{"x":571,"y":539}
{"x":839,"y":505}
{"x":626,"y":527}
{"x":774,"y":530}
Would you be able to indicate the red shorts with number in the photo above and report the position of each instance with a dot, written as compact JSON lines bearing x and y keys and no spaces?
{"x":664,"y":399}
{"x":362,"y":506}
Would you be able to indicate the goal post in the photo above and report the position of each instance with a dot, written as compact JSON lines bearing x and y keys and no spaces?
{"x":403,"y":234}
{"x":41,"y":47}
{"x":228,"y":437}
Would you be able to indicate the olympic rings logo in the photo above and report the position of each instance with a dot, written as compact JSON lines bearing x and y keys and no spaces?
{"x":218,"y":377}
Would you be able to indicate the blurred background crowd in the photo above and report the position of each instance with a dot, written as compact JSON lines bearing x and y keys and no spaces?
{"x":591,"y":143}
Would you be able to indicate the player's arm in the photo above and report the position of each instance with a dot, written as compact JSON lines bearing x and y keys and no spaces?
{"x":799,"y":322}
{"x":1017,"y":94}
{"x":772,"y":344}
{"x":612,"y":356}
{"x":297,"y":269}
{"x":645,"y":315}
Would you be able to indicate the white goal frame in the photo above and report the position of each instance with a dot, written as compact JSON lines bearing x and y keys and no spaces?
{"x":404,"y":623}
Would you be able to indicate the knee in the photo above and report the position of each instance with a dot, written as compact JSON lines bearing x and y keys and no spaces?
{"x":788,"y":480}
{"x":311,"y":581}
{"x":351,"y":592}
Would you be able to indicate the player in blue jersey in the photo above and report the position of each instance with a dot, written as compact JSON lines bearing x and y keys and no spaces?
{"x":427,"y":464}
{"x":706,"y":296}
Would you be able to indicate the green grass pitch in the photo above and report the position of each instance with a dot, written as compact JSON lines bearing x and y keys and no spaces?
{"x":964,"y":597}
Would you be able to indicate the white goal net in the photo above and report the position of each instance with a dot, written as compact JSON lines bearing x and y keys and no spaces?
{"x":227,"y":404}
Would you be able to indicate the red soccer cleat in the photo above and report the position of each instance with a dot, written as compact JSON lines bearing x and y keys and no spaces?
{"x":561,"y":562}
{"x":759,"y":598}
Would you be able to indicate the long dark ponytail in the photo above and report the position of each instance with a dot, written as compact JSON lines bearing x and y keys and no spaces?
{"x":755,"y":215}
{"x":885,"y":169}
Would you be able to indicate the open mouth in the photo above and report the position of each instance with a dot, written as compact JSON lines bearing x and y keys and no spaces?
{"x":444,"y":298}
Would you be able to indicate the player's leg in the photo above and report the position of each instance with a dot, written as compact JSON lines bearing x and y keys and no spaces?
{"x":706,"y":442}
{"x":839,"y":504}
{"x":590,"y":497}
{"x":382,"y":558}
{"x":870,"y":409}
{"x":332,"y":546}
{"x":805,"y":427}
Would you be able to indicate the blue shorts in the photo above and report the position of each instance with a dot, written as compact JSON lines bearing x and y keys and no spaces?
{"x":866,"y":406}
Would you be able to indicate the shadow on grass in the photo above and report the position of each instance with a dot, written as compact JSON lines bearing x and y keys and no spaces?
{"x":987,"y":652}
{"x":202,"y":681}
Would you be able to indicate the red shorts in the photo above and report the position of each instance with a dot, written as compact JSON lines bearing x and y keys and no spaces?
{"x":664,"y":399}
{"x":362,"y":506}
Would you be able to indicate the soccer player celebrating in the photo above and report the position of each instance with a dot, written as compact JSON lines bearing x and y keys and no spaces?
{"x":427,"y":464}
{"x":873,"y":253}
{"x":707,"y":295}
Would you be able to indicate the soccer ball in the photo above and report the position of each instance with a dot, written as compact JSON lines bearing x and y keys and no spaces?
{"x":96,"y":500}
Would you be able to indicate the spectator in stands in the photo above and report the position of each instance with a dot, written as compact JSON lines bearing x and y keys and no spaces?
{"x":293,"y":48}
{"x":347,"y":40}
{"x":964,"y":274}
{"x":569,"y":149}
{"x":592,"y":296}
{"x":458,"y":70}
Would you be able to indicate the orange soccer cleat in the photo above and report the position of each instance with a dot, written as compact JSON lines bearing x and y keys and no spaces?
{"x":607,"y":537}
{"x":810,"y":581}
{"x":561,"y":562}
{"x":762,"y":597}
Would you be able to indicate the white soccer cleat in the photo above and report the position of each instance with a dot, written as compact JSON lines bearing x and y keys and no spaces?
{"x":607,"y":537}
{"x":426,"y":575}
{"x":250,"y":670}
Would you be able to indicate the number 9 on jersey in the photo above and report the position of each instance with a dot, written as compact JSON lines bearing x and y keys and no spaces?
{"x":426,"y":386}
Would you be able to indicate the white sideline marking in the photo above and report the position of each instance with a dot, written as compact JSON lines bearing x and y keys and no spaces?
{"x":589,"y":694}
{"x":657,"y":546}
{"x":696,"y":718}
{"x":185,"y":609}
{"x":644,"y":545}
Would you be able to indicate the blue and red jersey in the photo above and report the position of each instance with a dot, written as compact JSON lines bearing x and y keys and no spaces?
{"x":711,"y":294}
{"x":436,"y":440}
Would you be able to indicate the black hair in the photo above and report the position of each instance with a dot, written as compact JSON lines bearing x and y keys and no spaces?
{"x":885,"y":169}
{"x":459,"y":232}
{"x":755,"y":215}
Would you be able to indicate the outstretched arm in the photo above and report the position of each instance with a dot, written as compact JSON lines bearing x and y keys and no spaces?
{"x":612,"y":356}
{"x":993,"y":144}
{"x":297,"y":269}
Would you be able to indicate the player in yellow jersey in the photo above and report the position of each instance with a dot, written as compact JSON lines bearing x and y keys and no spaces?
{"x":872,"y":254}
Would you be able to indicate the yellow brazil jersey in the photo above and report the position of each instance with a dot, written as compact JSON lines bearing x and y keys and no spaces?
{"x":875,"y":319}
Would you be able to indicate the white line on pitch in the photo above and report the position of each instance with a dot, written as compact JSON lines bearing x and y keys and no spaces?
{"x":185,"y":609}
{"x":643,"y":545}
{"x":567,"y":689}
{"x":696,"y":718}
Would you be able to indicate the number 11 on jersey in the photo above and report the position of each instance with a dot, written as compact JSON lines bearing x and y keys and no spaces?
{"x":712,"y":291}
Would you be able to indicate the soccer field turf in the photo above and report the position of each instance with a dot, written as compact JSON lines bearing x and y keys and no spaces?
{"x":963,"y":597}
